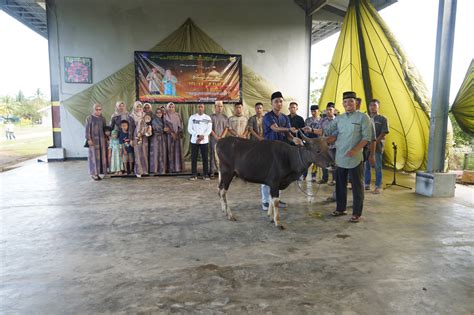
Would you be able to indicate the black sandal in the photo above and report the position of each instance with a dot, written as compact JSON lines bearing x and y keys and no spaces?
{"x":354,"y":219}
{"x":338,"y":213}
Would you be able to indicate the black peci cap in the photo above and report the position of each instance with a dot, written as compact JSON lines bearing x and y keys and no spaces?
{"x":349,"y":94}
{"x":314,"y":107}
{"x":330,"y":104}
{"x":276,"y":95}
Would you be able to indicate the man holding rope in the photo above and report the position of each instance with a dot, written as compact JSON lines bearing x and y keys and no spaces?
{"x":276,"y":126}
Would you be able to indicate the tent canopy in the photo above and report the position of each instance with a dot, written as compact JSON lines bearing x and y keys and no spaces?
{"x":369,"y":61}
{"x":463,"y":106}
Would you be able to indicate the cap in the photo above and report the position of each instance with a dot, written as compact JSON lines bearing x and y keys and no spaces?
{"x":349,"y":94}
{"x":314,"y":107}
{"x":276,"y":95}
{"x":330,"y":104}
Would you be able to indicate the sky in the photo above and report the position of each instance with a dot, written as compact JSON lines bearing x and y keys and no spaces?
{"x":24,"y":61}
{"x":24,"y":53}
{"x":414,"y":24}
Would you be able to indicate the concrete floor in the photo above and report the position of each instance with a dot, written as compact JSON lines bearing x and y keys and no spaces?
{"x":161,"y":245}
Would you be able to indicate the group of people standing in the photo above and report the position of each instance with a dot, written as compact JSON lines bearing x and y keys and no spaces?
{"x":145,"y":142}
{"x":207,"y":130}
{"x":140,"y":142}
{"x":347,"y":135}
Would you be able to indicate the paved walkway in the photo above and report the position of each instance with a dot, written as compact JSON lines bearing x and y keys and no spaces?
{"x":161,"y":245}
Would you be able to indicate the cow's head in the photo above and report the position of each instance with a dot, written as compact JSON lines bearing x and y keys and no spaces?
{"x":319,"y":149}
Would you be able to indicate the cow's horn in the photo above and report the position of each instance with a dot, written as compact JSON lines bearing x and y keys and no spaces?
{"x":303,"y":136}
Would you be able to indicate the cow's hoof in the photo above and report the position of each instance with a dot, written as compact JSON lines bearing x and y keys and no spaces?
{"x":281,"y":227}
{"x":232,"y":218}
{"x":272,"y":221}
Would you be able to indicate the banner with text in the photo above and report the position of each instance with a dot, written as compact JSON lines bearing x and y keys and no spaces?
{"x":188,"y":77}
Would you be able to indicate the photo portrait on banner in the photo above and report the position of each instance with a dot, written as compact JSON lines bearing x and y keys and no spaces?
{"x":188,"y":77}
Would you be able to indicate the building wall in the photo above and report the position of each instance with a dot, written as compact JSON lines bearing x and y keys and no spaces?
{"x":110,"y":31}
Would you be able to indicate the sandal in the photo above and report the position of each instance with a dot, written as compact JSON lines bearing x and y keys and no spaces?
{"x":354,"y":219}
{"x":338,"y":213}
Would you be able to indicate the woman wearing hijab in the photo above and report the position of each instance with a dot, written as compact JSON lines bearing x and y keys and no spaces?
{"x":95,"y":137}
{"x":174,"y":137}
{"x":140,"y":139}
{"x":158,"y":149}
{"x":120,"y":114}
{"x":148,"y":110}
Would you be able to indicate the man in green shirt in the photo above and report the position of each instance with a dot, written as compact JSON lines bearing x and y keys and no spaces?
{"x":354,"y":131}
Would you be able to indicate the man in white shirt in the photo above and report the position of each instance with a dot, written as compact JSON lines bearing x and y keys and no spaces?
{"x":199,"y":127}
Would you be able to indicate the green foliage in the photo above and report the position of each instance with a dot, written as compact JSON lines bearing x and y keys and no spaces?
{"x":460,"y":137}
{"x":21,"y":106}
{"x":317,"y":84}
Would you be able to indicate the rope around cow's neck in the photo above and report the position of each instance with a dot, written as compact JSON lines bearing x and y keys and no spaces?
{"x":298,"y":183}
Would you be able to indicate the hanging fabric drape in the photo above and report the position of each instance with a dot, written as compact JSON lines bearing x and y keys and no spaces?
{"x":187,"y":38}
{"x":463,"y":106}
{"x":369,"y":61}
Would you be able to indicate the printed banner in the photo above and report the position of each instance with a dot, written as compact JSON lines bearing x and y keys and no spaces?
{"x":188,"y":77}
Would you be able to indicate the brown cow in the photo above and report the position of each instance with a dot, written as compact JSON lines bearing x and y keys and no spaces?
{"x":273,"y":163}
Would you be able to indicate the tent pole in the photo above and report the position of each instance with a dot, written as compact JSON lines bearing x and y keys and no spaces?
{"x":441,"y":85}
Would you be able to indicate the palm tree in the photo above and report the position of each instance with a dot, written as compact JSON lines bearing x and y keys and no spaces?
{"x":7,"y":106}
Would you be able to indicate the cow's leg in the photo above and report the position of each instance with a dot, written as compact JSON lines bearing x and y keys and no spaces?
{"x":229,"y":214}
{"x":224,"y":182}
{"x":270,"y":210}
{"x":221,"y":198}
{"x":275,"y":203}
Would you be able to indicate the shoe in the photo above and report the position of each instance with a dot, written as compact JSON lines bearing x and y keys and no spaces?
{"x":354,"y":219}
{"x":376,"y":191}
{"x":349,"y":186}
{"x":265,"y":206}
{"x":138,"y":175}
{"x":331,"y":199}
{"x":95,"y":177}
{"x":332,"y":183}
{"x":367,"y":187}
{"x":338,"y":213}
{"x":206,"y":178}
{"x":282,"y":204}
{"x":321,"y":181}
{"x":193,"y":178}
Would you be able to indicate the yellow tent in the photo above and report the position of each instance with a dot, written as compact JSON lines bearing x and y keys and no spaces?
{"x":369,"y":61}
{"x":121,"y":84}
{"x":463,"y":106}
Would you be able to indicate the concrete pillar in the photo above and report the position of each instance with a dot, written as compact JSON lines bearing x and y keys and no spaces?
{"x":441,"y":85}
{"x":55,"y":152}
{"x":436,"y":183}
{"x":309,"y":31}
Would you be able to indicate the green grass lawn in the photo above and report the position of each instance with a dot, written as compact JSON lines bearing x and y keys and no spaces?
{"x":31,"y":141}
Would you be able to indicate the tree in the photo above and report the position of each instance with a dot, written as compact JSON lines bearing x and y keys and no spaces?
{"x":317,"y":83}
{"x":20,"y":97}
{"x":7,"y":106}
{"x":460,"y":137}
{"x":21,"y":106}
